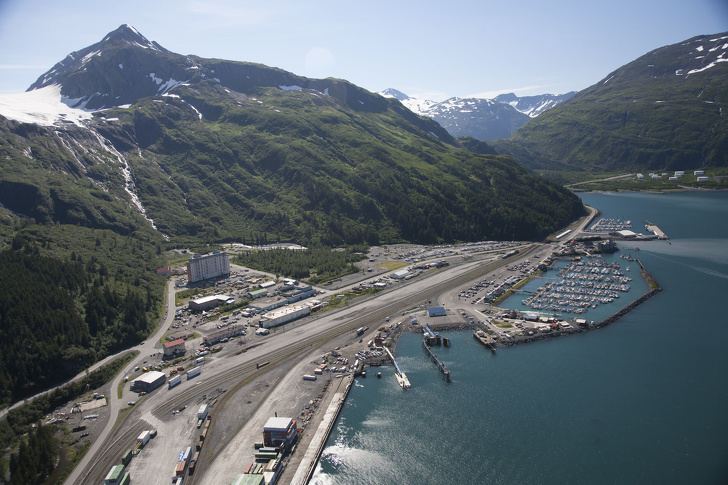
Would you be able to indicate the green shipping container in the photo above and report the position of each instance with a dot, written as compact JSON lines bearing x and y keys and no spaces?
{"x":126,"y":458}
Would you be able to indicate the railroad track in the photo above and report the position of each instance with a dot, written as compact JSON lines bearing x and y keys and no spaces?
{"x":248,"y":370}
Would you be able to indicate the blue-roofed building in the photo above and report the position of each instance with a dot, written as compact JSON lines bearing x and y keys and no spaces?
{"x":436,"y":311}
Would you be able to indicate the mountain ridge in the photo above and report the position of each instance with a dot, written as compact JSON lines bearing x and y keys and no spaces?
{"x":481,"y":118}
{"x":662,"y":111}
{"x":312,"y":160}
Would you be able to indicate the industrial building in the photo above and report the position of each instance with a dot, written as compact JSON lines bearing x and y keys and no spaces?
{"x":149,"y":381}
{"x":290,"y":294}
{"x":255,"y":294}
{"x":210,"y":302}
{"x":175,"y":347}
{"x":227,"y":332}
{"x":212,"y":265}
{"x":284,"y":315}
{"x":297,"y":293}
{"x":437,"y":311}
{"x":400,"y":274}
{"x":280,"y":432}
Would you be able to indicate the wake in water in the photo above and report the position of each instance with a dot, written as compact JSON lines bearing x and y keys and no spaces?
{"x":713,"y":250}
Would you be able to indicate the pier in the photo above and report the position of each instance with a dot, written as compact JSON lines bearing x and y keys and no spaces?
{"x":402,"y":380}
{"x":433,"y":358}
{"x":656,"y":231}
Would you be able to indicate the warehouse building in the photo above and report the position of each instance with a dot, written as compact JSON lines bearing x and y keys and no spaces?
{"x":255,"y":294}
{"x":227,"y":332}
{"x":280,"y":431}
{"x":212,"y":265}
{"x":284,"y":315}
{"x":298,"y":293}
{"x":400,"y":274}
{"x":149,"y":381}
{"x":210,"y":302}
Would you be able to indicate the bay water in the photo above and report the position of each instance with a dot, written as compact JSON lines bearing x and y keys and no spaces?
{"x":642,"y":401}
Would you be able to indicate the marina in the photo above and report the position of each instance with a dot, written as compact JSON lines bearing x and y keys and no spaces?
{"x":625,"y":386}
{"x":582,"y":285}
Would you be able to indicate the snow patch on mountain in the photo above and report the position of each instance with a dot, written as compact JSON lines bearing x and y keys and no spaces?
{"x":42,"y":106}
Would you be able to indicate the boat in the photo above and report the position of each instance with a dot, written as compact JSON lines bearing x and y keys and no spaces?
{"x":484,"y":339}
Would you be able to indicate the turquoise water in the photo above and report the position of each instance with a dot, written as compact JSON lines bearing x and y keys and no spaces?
{"x":644,"y":400}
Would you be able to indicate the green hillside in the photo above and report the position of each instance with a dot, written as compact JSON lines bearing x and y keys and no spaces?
{"x":663,"y":111}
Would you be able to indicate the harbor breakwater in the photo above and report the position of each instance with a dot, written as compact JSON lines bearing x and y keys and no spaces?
{"x":654,"y":289}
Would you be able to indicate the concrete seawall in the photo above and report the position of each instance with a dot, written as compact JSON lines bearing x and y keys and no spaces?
{"x":316,"y":447}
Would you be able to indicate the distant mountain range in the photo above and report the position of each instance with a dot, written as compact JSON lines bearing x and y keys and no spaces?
{"x":483,"y":119}
{"x":663,"y":111}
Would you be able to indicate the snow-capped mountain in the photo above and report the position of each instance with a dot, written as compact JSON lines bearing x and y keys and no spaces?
{"x":483,"y":119}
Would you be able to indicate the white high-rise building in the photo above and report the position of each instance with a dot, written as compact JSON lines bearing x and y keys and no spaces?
{"x":202,"y":267}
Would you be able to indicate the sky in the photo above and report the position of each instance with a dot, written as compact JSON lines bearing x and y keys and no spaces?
{"x":427,"y":49}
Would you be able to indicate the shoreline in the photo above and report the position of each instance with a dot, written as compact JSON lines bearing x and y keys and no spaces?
{"x":315,"y":449}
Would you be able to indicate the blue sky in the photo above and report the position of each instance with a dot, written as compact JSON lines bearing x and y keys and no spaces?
{"x":427,"y":49}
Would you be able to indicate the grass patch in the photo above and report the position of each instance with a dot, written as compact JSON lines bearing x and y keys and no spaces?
{"x":502,"y":324}
{"x":341,"y":299}
{"x":392,"y":265}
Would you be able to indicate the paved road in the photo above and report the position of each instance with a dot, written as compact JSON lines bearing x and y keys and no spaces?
{"x":286,"y":343}
{"x":116,"y":403}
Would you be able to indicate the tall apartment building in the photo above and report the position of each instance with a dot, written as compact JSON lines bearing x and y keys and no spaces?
{"x":202,"y":267}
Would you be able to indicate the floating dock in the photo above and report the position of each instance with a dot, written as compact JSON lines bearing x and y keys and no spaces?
{"x":402,"y":380}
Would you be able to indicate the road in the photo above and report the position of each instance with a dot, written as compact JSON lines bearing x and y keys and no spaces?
{"x":283,"y":346}
{"x":115,"y":403}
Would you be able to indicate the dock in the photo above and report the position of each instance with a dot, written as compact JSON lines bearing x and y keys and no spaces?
{"x":484,"y":339}
{"x":656,"y":231}
{"x":402,"y":380}
{"x":433,"y":357}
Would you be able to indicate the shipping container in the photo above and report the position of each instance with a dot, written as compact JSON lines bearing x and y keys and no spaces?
{"x":174,"y":381}
{"x":126,"y":458}
{"x":193,"y":372}
{"x":202,"y":412}
{"x":144,"y":437}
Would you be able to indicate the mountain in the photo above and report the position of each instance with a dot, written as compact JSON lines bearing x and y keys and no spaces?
{"x":219,"y":150}
{"x":483,"y":119}
{"x":663,"y":111}
{"x":125,"y":149}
